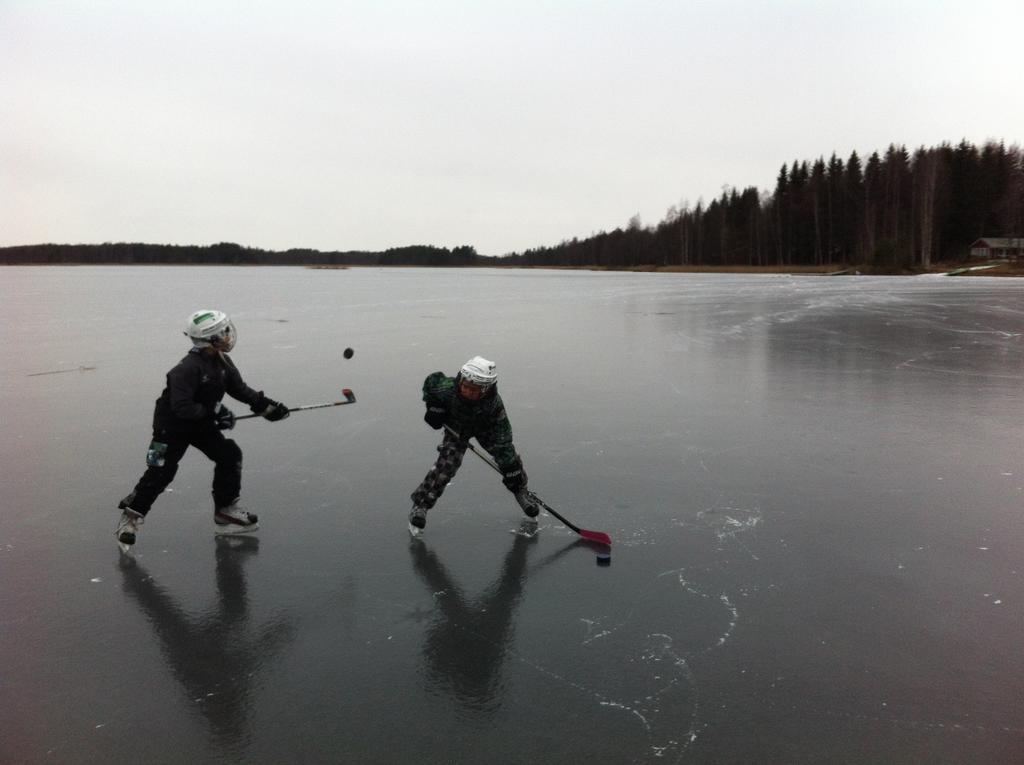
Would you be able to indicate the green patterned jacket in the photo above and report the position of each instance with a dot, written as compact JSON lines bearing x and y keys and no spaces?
{"x":484,"y":420}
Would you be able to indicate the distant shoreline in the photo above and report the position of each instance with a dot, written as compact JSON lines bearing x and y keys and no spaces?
{"x":997,"y":269}
{"x":953,"y":269}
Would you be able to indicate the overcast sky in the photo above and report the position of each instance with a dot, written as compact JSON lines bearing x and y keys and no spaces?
{"x":504,"y":125}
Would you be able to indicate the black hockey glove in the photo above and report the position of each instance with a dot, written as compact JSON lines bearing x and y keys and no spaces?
{"x":515,"y":477}
{"x":223,"y":417}
{"x":435,"y":417}
{"x":274,"y":410}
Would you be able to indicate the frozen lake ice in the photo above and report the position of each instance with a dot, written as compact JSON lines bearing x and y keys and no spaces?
{"x":813,"y":485}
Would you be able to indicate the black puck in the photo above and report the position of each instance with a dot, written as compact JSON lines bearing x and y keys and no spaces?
{"x":604,"y":559}
{"x":348,"y":353}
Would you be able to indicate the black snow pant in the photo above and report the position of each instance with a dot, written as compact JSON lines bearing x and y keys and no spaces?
{"x":449,"y":459}
{"x":227,"y":471}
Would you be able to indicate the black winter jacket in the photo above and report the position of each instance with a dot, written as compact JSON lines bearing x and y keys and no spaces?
{"x":195,"y":386}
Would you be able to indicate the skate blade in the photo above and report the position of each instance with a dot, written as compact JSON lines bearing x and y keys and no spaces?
{"x":234,"y":528}
{"x":415,"y":532}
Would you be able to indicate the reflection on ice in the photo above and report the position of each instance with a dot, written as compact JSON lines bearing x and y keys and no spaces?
{"x":214,"y":655}
{"x":471,"y":638}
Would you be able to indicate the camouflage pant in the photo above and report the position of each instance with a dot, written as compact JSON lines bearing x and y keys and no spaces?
{"x":449,"y":459}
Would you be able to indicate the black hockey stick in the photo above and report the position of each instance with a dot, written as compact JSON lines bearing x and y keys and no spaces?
{"x":350,"y":398}
{"x":593,"y":536}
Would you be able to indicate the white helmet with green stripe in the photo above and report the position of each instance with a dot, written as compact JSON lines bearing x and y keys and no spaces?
{"x":211,"y":329}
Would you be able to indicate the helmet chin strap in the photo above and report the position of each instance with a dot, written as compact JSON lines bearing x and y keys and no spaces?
{"x":205,"y":346}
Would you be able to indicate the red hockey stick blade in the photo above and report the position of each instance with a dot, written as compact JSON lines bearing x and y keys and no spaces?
{"x":596,"y":536}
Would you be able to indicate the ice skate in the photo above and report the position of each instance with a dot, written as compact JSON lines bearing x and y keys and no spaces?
{"x":529,"y":503}
{"x":128,"y":528}
{"x":234,"y":519}
{"x":417,"y":520}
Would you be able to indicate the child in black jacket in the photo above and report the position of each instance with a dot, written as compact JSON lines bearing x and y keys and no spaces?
{"x":188,"y":413}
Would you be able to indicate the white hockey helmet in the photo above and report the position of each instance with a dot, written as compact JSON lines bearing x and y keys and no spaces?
{"x":480,"y":371}
{"x":210,"y":328}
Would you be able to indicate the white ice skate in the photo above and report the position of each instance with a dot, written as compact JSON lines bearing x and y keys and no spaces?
{"x":234,"y":519}
{"x":128,"y":528}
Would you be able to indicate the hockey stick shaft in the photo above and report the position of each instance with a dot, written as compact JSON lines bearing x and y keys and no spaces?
{"x":594,"y":536}
{"x":350,"y":398}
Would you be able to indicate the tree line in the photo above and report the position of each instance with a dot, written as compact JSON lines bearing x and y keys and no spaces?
{"x":229,"y":253}
{"x":894,"y":211}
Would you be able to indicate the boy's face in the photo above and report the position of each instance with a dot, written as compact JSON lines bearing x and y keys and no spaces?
{"x":225,"y":341}
{"x":470,"y":390}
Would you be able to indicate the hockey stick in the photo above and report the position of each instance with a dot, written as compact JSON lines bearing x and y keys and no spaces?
{"x":350,"y":398}
{"x":591,"y":536}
